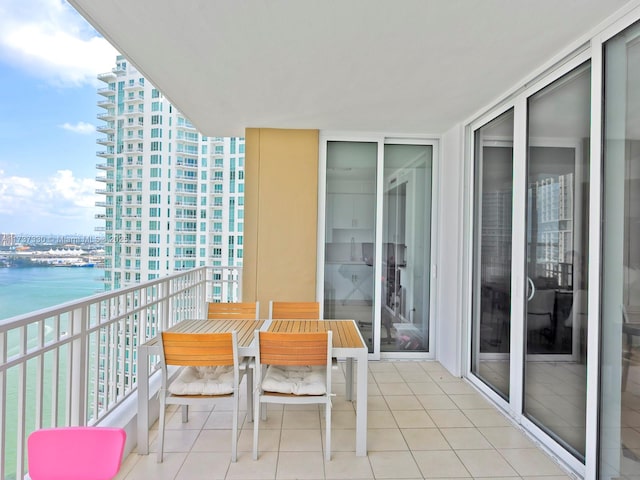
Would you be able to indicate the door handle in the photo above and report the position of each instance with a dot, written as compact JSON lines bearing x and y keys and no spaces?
{"x":532,"y":289}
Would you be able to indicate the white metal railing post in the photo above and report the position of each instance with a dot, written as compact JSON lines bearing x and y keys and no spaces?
{"x":21,"y":433}
{"x":202,"y":292}
{"x":78,"y":367}
{"x":163,"y":306}
{"x":3,"y":396}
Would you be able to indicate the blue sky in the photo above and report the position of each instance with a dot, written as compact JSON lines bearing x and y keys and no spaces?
{"x":49,"y":60}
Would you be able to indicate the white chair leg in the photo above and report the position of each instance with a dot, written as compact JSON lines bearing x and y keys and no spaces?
{"x":185,"y":413}
{"x":161,"y":429}
{"x":256,"y":423}
{"x":249,"y":393}
{"x":327,"y":414}
{"x":234,"y":427}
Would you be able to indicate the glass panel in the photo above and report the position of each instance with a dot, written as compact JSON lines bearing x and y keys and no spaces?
{"x":620,"y":314}
{"x":491,"y":325}
{"x":557,"y":249}
{"x":406,"y":247}
{"x":350,"y":233}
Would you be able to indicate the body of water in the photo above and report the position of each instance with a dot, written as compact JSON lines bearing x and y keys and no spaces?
{"x":24,"y":290}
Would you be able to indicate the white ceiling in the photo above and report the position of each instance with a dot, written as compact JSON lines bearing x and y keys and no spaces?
{"x":401,"y":66}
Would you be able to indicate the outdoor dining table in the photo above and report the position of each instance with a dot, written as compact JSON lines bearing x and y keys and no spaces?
{"x":347,"y":343}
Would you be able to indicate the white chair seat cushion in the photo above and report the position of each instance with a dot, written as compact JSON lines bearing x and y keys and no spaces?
{"x":203,"y":381}
{"x":310,"y":380}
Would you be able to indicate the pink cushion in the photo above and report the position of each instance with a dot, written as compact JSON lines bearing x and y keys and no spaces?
{"x":75,"y":453}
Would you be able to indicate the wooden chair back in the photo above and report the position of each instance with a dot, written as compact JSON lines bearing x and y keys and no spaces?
{"x":199,"y":349}
{"x":232,"y":311}
{"x":300,"y":348}
{"x":294,"y":310}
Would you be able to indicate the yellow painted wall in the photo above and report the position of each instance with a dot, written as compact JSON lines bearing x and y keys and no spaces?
{"x":280,"y":216}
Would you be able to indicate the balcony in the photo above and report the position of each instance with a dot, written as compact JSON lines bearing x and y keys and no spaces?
{"x":110,"y":140}
{"x":109,"y":103}
{"x":107,"y":77}
{"x":133,"y":125}
{"x":134,"y":100}
{"x":424,"y":422}
{"x":134,"y":87}
{"x":189,"y":165}
{"x":106,"y":116}
{"x":107,"y":91}
{"x":108,"y":128}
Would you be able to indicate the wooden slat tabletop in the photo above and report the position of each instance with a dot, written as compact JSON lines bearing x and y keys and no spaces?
{"x":244,"y":329}
{"x":345,"y":332}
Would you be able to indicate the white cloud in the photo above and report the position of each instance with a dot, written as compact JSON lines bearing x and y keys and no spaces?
{"x":62,"y":203}
{"x":78,"y":192}
{"x":83,"y":128}
{"x":51,"y":40}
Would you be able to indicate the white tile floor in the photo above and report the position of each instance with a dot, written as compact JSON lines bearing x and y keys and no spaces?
{"x":423,"y":423}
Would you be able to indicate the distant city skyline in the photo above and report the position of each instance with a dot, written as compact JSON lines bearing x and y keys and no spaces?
{"x":49,"y":61}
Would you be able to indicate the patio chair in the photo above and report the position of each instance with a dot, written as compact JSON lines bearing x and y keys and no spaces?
{"x":294,"y":310}
{"x":298,"y":371}
{"x":237,"y":311}
{"x":540,"y":314}
{"x":75,"y":453}
{"x":233,"y":310}
{"x":211,"y":371}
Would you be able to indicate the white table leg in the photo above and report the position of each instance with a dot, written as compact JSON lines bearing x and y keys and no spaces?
{"x":361,"y":405}
{"x":349,"y":379}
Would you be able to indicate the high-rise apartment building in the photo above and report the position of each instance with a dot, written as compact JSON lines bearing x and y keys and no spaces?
{"x":173,"y":198}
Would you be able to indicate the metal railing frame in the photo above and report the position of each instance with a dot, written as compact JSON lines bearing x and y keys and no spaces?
{"x":75,"y":363}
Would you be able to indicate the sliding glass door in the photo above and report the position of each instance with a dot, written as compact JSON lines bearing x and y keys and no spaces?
{"x":491,"y":328}
{"x":350,"y":221}
{"x":377,"y":246}
{"x":531,"y":247}
{"x":619,"y":441}
{"x":557,"y":249}
{"x":406,"y":247}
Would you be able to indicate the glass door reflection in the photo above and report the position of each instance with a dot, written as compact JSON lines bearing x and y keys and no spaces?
{"x":557,"y":248}
{"x":619,"y":437}
{"x":350,"y":234}
{"x":406,"y":248}
{"x":491,"y":327}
